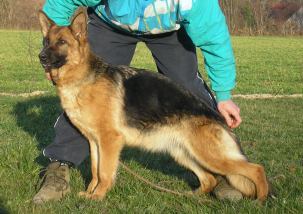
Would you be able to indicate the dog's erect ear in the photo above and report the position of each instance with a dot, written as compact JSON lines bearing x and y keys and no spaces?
{"x":45,"y":23}
{"x":79,"y":25}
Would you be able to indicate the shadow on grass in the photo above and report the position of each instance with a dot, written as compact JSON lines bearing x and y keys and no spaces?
{"x":3,"y":210}
{"x":37,"y":116}
{"x":160,"y":162}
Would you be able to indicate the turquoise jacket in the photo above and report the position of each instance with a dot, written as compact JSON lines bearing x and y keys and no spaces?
{"x":203,"y":20}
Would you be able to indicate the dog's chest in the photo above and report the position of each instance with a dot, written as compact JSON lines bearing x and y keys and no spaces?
{"x":69,"y":97}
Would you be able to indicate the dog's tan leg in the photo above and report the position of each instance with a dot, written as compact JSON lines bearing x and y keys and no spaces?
{"x":207,"y":180}
{"x":94,"y":169}
{"x":109,"y":149}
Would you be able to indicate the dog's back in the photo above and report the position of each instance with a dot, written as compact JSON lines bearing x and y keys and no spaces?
{"x":151,"y":98}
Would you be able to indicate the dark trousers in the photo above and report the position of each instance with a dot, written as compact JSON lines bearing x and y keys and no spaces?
{"x":175,"y":57}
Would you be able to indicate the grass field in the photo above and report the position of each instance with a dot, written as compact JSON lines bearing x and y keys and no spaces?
{"x":271,"y":134}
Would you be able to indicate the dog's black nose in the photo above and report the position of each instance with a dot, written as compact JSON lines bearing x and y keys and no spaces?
{"x":43,"y":57}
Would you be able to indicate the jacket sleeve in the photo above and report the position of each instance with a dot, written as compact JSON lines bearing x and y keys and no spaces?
{"x":61,"y":11}
{"x":206,"y":26}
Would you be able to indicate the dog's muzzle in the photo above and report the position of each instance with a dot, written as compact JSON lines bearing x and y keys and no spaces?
{"x":44,"y":61}
{"x":46,"y":65}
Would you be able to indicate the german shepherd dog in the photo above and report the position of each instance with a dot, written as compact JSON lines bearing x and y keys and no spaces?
{"x":114,"y":106}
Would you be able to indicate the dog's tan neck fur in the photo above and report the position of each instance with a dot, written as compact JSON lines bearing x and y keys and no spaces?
{"x":68,"y":74}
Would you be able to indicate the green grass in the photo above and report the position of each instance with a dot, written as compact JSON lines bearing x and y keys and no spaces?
{"x":269,"y":65}
{"x":271,"y":134}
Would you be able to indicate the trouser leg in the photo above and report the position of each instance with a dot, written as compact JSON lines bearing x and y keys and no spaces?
{"x":175,"y":56}
{"x":69,"y":144}
{"x":116,"y":48}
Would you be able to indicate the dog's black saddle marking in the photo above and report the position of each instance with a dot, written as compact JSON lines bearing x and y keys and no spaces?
{"x":151,"y":98}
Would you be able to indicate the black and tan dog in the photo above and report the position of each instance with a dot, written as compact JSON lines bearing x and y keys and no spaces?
{"x":115,"y":106}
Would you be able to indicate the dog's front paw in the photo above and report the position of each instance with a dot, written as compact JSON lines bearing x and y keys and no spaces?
{"x":91,"y":196}
{"x":84,"y":194}
{"x":97,"y":197}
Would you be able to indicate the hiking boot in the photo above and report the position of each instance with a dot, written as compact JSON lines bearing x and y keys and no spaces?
{"x":55,"y":183}
{"x":224,"y":191}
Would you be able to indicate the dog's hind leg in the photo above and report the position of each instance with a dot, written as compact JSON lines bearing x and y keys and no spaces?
{"x":206,"y":179}
{"x":216,"y":150}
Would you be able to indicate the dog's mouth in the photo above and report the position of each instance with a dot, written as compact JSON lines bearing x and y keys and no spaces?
{"x":54,"y":65}
{"x":46,"y":66}
{"x":49,"y":74}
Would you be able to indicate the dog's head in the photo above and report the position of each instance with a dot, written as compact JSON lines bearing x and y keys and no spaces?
{"x":62,"y":45}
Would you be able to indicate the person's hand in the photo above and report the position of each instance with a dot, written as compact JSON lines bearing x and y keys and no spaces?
{"x":231,"y":113}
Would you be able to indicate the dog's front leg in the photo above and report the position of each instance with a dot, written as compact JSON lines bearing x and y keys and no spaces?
{"x":109,"y":153}
{"x":94,"y":168}
{"x":109,"y":149}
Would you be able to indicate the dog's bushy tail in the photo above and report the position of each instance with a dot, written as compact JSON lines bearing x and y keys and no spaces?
{"x":240,"y":182}
{"x":243,"y":184}
{"x":217,"y":149}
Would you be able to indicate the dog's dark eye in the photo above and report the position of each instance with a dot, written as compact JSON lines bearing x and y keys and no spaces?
{"x":61,"y":42}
